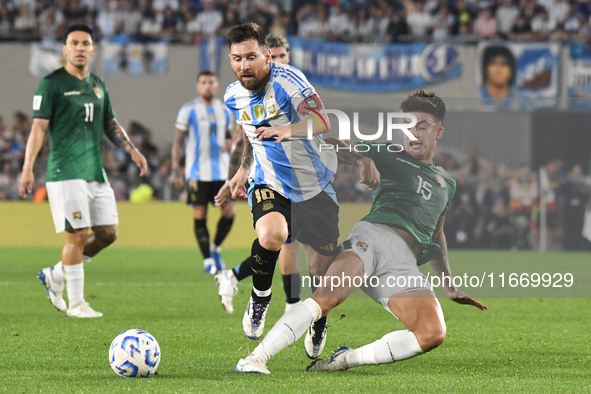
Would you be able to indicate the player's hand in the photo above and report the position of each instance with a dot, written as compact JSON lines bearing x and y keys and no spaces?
{"x":224,"y":196}
{"x":238,"y":182}
{"x":176,"y":178}
{"x":282,"y":133}
{"x":25,"y":184}
{"x":370,"y":176}
{"x":140,"y":160}
{"x":465,"y":299}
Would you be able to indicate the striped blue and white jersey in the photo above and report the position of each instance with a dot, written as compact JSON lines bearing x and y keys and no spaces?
{"x":297,"y":168}
{"x":205,"y":145}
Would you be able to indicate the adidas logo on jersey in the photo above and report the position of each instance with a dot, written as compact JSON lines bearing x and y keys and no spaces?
{"x":245,"y":117}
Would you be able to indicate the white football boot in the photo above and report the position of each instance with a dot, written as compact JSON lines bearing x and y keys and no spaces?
{"x":316,"y":339}
{"x":253,"y":322}
{"x":54,"y":290}
{"x":227,"y":288}
{"x":82,"y":309}
{"x":249,"y":365}
{"x":337,"y":362}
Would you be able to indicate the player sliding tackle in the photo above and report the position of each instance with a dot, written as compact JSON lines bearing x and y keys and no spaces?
{"x":403,"y":230}
{"x":291,"y":191}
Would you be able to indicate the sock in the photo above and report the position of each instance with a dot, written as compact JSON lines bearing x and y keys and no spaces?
{"x":291,"y":285}
{"x":292,"y":325}
{"x":86,"y":259}
{"x":202,"y":236}
{"x":57,"y":273}
{"x":244,"y":269}
{"x":263,"y":269}
{"x":74,"y":275}
{"x":395,"y":346}
{"x":224,"y":226}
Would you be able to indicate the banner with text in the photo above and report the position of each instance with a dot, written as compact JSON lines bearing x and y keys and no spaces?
{"x":579,"y":77}
{"x":374,"y":68}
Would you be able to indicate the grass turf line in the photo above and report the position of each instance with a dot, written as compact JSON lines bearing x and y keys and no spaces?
{"x":518,"y":345}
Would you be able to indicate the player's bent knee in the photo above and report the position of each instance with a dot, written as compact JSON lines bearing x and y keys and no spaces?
{"x":272,"y":240}
{"x":107,"y":236}
{"x":430,"y":336}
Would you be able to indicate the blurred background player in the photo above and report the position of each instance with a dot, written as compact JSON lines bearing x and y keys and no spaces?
{"x":73,"y":107}
{"x":279,"y":49}
{"x":205,"y":125}
{"x":404,"y":229}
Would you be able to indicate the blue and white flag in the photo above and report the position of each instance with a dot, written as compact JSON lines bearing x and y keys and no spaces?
{"x":374,"y":68}
{"x":135,"y":58}
{"x":46,"y":57}
{"x":579,"y":77}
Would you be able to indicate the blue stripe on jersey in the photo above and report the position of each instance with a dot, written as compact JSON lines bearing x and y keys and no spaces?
{"x":281,"y":166}
{"x":214,"y":147}
{"x":195,"y":125}
{"x":231,"y":104}
{"x":282,"y":99}
{"x":323,"y":174}
{"x":299,"y":80}
{"x":331,"y":193}
{"x":227,"y":113}
{"x":283,"y":74}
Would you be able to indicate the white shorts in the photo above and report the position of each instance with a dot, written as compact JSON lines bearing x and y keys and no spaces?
{"x":82,"y":204}
{"x":389,"y":263}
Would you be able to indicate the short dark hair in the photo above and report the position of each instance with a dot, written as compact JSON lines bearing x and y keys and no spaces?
{"x":277,"y":41}
{"x":79,"y":27}
{"x":205,"y":73}
{"x":424,"y":101}
{"x":492,"y":52}
{"x":246,"y":32}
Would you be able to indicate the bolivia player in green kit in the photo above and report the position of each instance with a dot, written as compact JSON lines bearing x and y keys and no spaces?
{"x":403,"y":230}
{"x":72,"y":105}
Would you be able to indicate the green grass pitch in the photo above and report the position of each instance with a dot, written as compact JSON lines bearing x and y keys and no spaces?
{"x":518,"y":345}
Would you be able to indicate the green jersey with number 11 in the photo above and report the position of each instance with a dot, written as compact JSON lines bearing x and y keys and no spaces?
{"x":77,"y":111}
{"x":412,"y":195}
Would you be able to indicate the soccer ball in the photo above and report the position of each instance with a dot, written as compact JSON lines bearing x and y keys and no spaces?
{"x":134,"y":353}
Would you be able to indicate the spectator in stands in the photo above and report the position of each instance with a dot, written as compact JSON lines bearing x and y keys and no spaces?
{"x":340,"y":24}
{"x":506,"y":16}
{"x":5,"y":20}
{"x":418,"y":21}
{"x":442,"y":23}
{"x":132,"y":18}
{"x":313,"y":25}
{"x":575,"y":195}
{"x":542,"y":26}
{"x":464,"y":211}
{"x":572,"y":22}
{"x":463,"y":24}
{"x":151,"y":27}
{"x":398,"y":29}
{"x":522,"y":29}
{"x":108,"y":18}
{"x":557,"y":10}
{"x":485,"y":26}
{"x":25,"y":22}
{"x":365,"y":30}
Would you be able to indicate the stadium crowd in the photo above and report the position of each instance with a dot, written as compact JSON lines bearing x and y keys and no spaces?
{"x":189,"y":21}
{"x":495,"y":206}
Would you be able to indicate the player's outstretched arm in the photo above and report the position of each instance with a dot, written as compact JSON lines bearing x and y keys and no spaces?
{"x":440,"y":265}
{"x":34,"y":143}
{"x":369,"y":174}
{"x":224,"y":196}
{"x":237,"y":184}
{"x":176,"y":178}
{"x":117,"y":135}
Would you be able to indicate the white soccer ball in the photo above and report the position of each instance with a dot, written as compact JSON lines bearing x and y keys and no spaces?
{"x":134,"y":354}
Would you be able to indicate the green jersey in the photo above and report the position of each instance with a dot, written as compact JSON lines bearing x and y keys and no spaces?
{"x":412,"y":195}
{"x":77,"y":111}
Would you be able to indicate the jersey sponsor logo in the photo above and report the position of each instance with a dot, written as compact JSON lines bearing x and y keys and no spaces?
{"x":441,"y":181}
{"x":244,"y":117}
{"x":98,"y":93}
{"x":259,"y":112}
{"x":37,"y":102}
{"x":361,"y":246}
{"x":272,"y":107}
{"x":77,"y":216}
{"x":72,"y":93}
{"x":408,"y":162}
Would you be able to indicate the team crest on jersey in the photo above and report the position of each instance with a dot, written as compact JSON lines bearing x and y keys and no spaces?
{"x":272,"y":107}
{"x":98,"y":93}
{"x":361,"y":246}
{"x":259,"y":112}
{"x":441,"y":181}
{"x":77,"y":216}
{"x":211,"y":117}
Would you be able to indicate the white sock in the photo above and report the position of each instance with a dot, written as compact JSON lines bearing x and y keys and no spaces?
{"x":208,"y":261}
{"x":395,"y":346}
{"x":86,"y":259}
{"x":292,"y":325}
{"x":74,"y":275}
{"x":57,"y":273}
